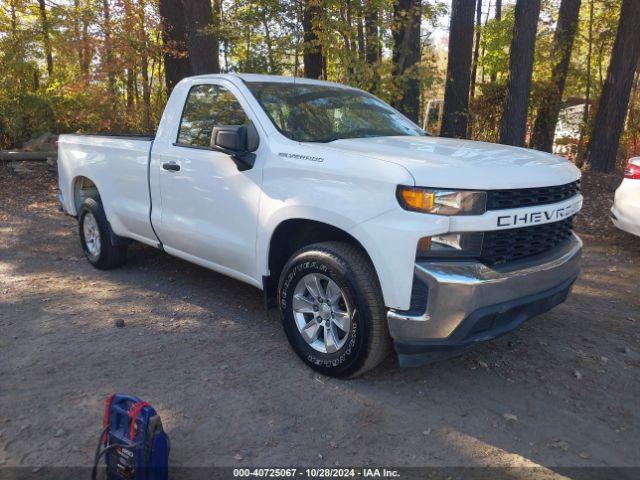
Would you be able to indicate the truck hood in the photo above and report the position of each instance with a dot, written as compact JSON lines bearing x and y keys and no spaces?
{"x":450,"y":163}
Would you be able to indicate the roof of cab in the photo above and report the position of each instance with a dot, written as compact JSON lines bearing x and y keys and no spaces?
{"x":256,"y":77}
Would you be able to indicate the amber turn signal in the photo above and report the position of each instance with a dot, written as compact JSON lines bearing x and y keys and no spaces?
{"x":417,"y":198}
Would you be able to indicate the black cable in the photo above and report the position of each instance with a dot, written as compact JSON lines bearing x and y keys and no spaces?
{"x":100,"y":453}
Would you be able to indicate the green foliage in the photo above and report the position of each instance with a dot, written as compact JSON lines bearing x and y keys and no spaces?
{"x":22,"y":117}
{"x":494,"y":43}
{"x":127,"y":93}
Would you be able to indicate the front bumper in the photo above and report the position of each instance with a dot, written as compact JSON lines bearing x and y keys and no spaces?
{"x":468,"y":302}
{"x":624,"y":222}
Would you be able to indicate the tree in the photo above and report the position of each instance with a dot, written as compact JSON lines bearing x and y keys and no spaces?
{"x":372,"y":42}
{"x":476,"y":49}
{"x":514,"y":118}
{"x":176,"y":61}
{"x":202,"y":37}
{"x":107,"y":60}
{"x":44,"y":25}
{"x":312,"y":55}
{"x":406,"y":56}
{"x":614,"y":101}
{"x":456,"y":93}
{"x":547,"y":118}
{"x":498,"y":17}
{"x":372,"y":33}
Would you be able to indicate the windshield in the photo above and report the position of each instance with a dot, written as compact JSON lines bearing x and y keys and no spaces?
{"x":319,"y":113}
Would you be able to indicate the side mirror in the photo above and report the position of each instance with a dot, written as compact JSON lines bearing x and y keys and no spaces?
{"x":238,"y":141}
{"x":229,"y":138}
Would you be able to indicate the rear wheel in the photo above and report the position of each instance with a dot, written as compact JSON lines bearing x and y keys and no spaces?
{"x":97,"y":239}
{"x":332,"y":309}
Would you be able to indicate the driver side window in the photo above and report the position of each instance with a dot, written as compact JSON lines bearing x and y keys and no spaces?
{"x":208,"y":106}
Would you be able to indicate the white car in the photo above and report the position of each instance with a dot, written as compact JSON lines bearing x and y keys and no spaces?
{"x":355,"y":224}
{"x":625,"y":212}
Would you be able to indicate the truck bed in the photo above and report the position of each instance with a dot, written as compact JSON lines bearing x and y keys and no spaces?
{"x":118,"y":164}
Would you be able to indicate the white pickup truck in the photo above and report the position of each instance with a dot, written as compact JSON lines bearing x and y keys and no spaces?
{"x":361,"y":229}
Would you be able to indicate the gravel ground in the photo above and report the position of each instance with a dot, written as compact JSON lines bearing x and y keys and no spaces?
{"x":561,"y":391}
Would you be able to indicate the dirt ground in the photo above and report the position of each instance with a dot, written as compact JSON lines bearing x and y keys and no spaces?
{"x":562,"y":391}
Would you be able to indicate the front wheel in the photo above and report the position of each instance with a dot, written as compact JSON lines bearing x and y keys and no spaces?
{"x":332,"y":309}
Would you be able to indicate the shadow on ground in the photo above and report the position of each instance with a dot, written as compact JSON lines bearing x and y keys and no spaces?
{"x":561,"y":391}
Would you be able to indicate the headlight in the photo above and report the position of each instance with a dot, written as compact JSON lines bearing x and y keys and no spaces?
{"x":451,"y":245}
{"x":442,"y":202}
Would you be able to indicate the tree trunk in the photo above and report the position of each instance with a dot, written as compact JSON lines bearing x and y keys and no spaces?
{"x":498,"y":17}
{"x":131,"y":79}
{"x":547,"y":118}
{"x":273,"y":70}
{"x":476,"y":49}
{"x":633,"y":124}
{"x":143,"y":42}
{"x":87,"y":49}
{"x":614,"y":101}
{"x":372,"y":43}
{"x":406,"y":56}
{"x":44,"y":25}
{"x":76,"y":34}
{"x":202,"y":36}
{"x":360,"y":27}
{"x":312,"y":55}
{"x":514,"y":118}
{"x":14,"y":21}
{"x":456,"y":93}
{"x":587,"y":95}
{"x":344,"y":30}
{"x":371,"y":31}
{"x":175,"y":56}
{"x":107,"y":61}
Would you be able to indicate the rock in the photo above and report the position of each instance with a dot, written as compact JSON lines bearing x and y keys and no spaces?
{"x":20,"y":167}
{"x":561,"y":445}
{"x":510,"y":417}
{"x":626,"y":350}
{"x":59,"y":433}
{"x":577,"y":374}
{"x":42,"y":143}
{"x":119,"y":323}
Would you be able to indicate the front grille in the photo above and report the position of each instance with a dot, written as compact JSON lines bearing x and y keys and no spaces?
{"x":527,"y":197}
{"x":500,"y":246}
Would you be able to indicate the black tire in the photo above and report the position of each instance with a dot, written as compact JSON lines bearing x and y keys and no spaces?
{"x":368,"y":341}
{"x":109,"y":255}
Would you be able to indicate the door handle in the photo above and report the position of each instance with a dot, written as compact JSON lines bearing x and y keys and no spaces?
{"x":171,"y":166}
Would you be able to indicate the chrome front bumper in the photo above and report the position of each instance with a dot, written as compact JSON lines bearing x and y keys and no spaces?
{"x":463,"y":297}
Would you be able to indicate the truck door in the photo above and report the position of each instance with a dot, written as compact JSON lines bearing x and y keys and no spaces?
{"x":208,"y":208}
